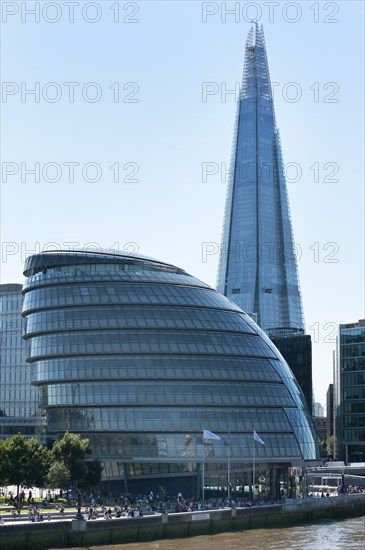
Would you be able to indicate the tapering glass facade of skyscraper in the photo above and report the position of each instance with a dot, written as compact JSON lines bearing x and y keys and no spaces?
{"x":258,"y":268}
{"x":18,"y":398}
{"x":140,"y":357}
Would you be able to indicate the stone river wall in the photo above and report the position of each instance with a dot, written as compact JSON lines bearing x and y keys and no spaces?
{"x":69,"y":533}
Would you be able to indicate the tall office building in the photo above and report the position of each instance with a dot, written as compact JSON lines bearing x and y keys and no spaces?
{"x":296,"y":348}
{"x":350,"y":391}
{"x":258,"y":268}
{"x":18,"y":398}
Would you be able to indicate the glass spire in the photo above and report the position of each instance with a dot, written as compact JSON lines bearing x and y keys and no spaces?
{"x":258,"y":268}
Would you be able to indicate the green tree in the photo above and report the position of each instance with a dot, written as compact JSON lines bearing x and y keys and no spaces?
{"x":59,"y":476}
{"x":73,"y":450}
{"x":322,"y":448}
{"x":331,"y":445}
{"x":24,"y":462}
{"x":93,"y":474}
{"x":3,"y":463}
{"x":39,"y":461}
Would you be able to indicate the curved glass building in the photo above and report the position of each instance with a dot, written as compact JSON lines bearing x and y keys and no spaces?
{"x":140,"y":357}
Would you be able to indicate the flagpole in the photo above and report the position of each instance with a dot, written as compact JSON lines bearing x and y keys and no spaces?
{"x":203,"y":467}
{"x":207,"y":435}
{"x":253,"y":468}
{"x":229,"y":465}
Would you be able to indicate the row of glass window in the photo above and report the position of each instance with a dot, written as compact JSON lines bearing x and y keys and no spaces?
{"x":105,"y":268}
{"x":219,"y":420}
{"x":132,"y":469}
{"x":10,"y":358}
{"x":353,"y":350}
{"x":215,"y":472}
{"x":173,"y":446}
{"x":11,"y":340}
{"x":152,"y":336}
{"x":288,"y":451}
{"x":353,"y":364}
{"x":10,"y":303}
{"x":354,"y":421}
{"x":11,"y":323}
{"x":81,"y":258}
{"x":142,"y":317}
{"x":287,"y":376}
{"x":159,"y":387}
{"x":356,"y":453}
{"x":16,"y":387}
{"x":9,"y":408}
{"x":124,"y":293}
{"x":171,"y":393}
{"x":354,"y":336}
{"x":352,"y":435}
{"x":155,"y":367}
{"x":304,"y":431}
{"x":353,"y":392}
{"x":353,"y":378}
{"x":147,"y":342}
{"x":354,"y":407}
{"x":53,"y":278}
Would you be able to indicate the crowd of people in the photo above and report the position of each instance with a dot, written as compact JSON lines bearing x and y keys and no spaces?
{"x":135,"y":507}
{"x":35,"y":514}
{"x":108,"y":513}
{"x":350,"y":490}
{"x":93,"y":507}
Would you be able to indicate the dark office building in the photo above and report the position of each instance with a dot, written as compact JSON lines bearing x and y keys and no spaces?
{"x":320,"y":427}
{"x":350,"y":391}
{"x":329,"y":407}
{"x":297,"y":352}
{"x":141,"y":357}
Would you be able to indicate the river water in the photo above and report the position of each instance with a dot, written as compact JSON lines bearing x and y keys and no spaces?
{"x":348,"y":534}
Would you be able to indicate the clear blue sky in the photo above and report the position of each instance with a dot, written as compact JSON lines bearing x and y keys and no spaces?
{"x":315,"y":52}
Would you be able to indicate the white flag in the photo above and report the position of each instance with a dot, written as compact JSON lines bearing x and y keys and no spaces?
{"x":209,"y":435}
{"x":258,"y":438}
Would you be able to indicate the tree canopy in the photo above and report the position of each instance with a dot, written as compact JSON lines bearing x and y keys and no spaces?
{"x":72,"y":450}
{"x":24,"y":462}
{"x":59,"y":476}
{"x":27,"y":463}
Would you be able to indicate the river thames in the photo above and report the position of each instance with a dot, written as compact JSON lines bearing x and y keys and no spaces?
{"x":325,"y":535}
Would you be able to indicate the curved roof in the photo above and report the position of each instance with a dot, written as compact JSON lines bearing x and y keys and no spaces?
{"x":54,"y":258}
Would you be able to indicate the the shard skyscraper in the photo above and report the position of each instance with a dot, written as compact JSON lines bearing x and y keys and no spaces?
{"x":258,"y":268}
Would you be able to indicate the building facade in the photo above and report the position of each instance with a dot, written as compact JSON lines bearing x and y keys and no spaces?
{"x":141,"y":357}
{"x":350,"y":391}
{"x":320,"y":427}
{"x":18,"y":398}
{"x":329,"y":409}
{"x":318,"y":410}
{"x":258,"y":268}
{"x":296,"y":348}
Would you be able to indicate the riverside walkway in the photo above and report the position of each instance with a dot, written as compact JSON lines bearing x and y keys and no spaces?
{"x":20,"y":534}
